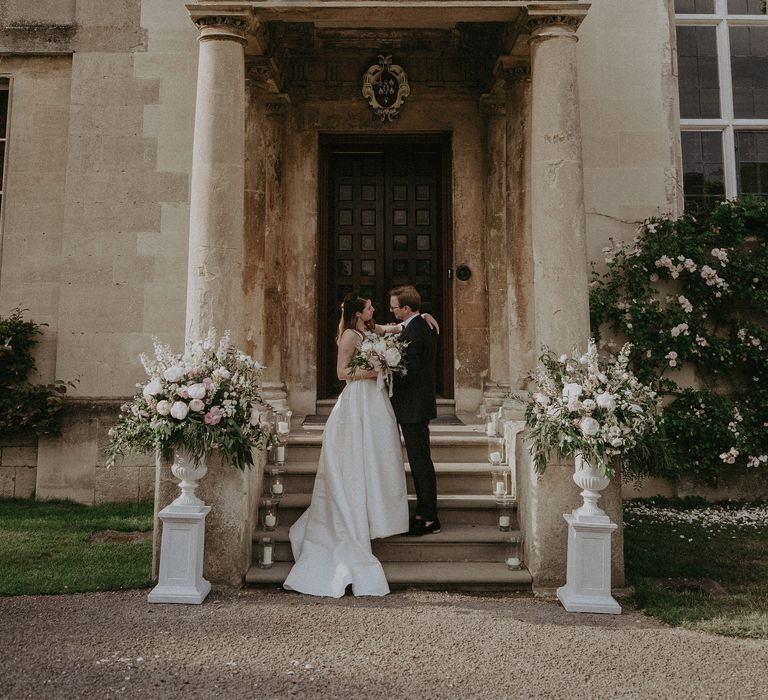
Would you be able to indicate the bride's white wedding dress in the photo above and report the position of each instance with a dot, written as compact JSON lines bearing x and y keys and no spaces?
{"x":359,"y":495}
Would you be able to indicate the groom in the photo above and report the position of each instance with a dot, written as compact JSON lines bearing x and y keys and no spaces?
{"x":413,"y":400}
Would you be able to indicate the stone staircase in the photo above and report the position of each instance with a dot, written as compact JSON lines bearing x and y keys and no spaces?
{"x":469,"y":553}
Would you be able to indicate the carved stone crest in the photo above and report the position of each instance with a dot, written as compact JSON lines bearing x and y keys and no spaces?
{"x":385,"y":86}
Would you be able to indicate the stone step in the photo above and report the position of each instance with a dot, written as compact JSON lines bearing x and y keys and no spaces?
{"x":439,"y":576}
{"x":452,"y":478}
{"x":452,"y":543}
{"x":467,"y":446}
{"x":445,"y":407}
{"x":452,"y":509}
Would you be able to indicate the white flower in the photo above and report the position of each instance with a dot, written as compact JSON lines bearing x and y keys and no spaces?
{"x":563,"y":358}
{"x":571,"y":391}
{"x":153,"y":388}
{"x":617,"y":442}
{"x":589,"y":426}
{"x":540,"y":398}
{"x":255,"y":416}
{"x":196,"y":391}
{"x":720,"y":254}
{"x":366,"y":346}
{"x":222,"y":372}
{"x":196,"y":405}
{"x":687,"y":306}
{"x":163,"y":407}
{"x":393,"y":357}
{"x":174,"y":374}
{"x":380,"y":347}
{"x":179,"y":410}
{"x":588,"y":405}
{"x":606,"y":401}
{"x":681,"y":328}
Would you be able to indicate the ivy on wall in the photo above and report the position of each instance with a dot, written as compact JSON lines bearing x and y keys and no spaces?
{"x":25,"y":407}
{"x":691,"y":295}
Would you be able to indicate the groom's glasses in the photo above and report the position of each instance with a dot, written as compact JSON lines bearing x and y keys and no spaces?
{"x":392,"y":308}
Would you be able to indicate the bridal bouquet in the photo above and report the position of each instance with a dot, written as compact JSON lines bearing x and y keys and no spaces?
{"x":382,"y":353}
{"x":591,"y":405}
{"x":206,"y":398}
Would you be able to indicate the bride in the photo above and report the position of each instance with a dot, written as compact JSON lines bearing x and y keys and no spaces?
{"x":360,"y":491}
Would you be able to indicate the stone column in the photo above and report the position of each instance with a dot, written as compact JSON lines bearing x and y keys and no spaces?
{"x":494,"y":107}
{"x":216,"y":215}
{"x":215,"y":292}
{"x":557,"y":184}
{"x":560,"y":275}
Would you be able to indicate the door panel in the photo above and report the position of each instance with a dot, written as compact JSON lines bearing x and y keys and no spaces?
{"x":384,"y":226}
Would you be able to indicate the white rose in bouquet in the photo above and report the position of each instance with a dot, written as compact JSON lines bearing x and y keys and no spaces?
{"x":571,"y":391}
{"x":380,"y":347}
{"x":197,"y":405}
{"x":589,"y":426}
{"x":152,"y":388}
{"x":179,"y":410}
{"x":255,"y":416}
{"x":393,"y":357}
{"x":163,"y":407}
{"x":588,"y":405}
{"x":196,"y":391}
{"x":366,"y":346}
{"x":606,"y":401}
{"x":174,"y":373}
{"x":222,"y":372}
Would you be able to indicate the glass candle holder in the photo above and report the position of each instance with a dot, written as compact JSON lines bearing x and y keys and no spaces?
{"x":500,"y":483}
{"x":279,"y":449}
{"x":496,"y":451}
{"x":276,"y":485}
{"x":491,"y":426}
{"x":514,"y":550}
{"x":269,"y":513}
{"x":504,"y":506}
{"x":283,"y":423}
{"x":266,"y":552}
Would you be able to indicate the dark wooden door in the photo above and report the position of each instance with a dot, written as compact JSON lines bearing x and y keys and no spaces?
{"x":385,"y":225}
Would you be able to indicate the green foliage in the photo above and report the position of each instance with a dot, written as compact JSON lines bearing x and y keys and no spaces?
{"x":46,"y":547}
{"x":693,"y":293}
{"x":25,"y":406}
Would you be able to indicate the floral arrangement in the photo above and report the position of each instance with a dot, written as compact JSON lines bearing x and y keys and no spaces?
{"x":383,"y":354}
{"x":206,"y":398}
{"x":588,"y":404}
{"x":691,"y":294}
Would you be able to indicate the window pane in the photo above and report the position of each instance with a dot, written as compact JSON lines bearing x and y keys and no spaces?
{"x":694,"y":7}
{"x":749,"y":71}
{"x":697,"y":72}
{"x":746,"y":7}
{"x":752,"y":162}
{"x":3,"y":107}
{"x":703,"y":183}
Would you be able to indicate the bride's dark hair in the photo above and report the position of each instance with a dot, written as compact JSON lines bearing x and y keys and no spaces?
{"x":351,"y":305}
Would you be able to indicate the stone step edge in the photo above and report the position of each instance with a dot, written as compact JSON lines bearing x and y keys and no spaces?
{"x":447,"y":501}
{"x":435,"y":574}
{"x":452,"y":534}
{"x":436,"y":439}
{"x":483,"y":468}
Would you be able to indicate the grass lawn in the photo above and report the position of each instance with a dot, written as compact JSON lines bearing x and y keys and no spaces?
{"x":699,"y":566}
{"x":46,"y":547}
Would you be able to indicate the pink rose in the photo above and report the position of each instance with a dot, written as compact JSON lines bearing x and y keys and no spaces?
{"x":214,"y":416}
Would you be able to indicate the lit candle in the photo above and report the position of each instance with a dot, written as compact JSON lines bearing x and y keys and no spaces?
{"x":282,"y":426}
{"x":495,"y":457}
{"x":504,"y":521}
{"x":270,"y":520}
{"x":277,"y":488}
{"x":266,"y":559}
{"x":490,"y":428}
{"x":513,"y":563}
{"x":281,"y":453}
{"x":500,"y":490}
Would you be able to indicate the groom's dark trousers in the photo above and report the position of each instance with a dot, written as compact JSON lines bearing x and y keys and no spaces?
{"x":413,"y":400}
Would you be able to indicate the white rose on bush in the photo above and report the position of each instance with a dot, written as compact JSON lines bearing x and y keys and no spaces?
{"x":606,"y":401}
{"x":179,"y":410}
{"x":163,"y":407}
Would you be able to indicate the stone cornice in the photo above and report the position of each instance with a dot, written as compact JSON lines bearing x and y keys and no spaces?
{"x":551,"y":15}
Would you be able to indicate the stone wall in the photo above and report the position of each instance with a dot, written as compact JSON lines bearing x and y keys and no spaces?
{"x":18,"y":466}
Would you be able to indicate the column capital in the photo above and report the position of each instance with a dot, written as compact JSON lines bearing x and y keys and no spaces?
{"x":548,"y":22}
{"x":228,"y":24}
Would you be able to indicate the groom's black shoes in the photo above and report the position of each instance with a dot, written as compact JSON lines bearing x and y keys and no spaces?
{"x":424,"y":527}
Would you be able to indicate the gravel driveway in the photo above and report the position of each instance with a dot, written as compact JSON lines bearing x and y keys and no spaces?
{"x":412,"y":644}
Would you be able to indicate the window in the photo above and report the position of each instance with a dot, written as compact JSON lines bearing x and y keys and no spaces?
{"x":4,"y":91}
{"x":722,"y":50}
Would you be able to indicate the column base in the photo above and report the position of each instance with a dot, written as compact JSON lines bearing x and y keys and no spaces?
{"x":588,"y":578}
{"x":181,"y":558}
{"x":275,"y":395}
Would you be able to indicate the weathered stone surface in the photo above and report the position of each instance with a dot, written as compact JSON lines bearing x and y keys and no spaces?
{"x":25,"y":482}
{"x":7,"y":481}
{"x":116,"y":484}
{"x":19,"y":456}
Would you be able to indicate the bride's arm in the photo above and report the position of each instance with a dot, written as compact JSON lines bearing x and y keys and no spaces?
{"x":347,"y":345}
{"x":389,"y":328}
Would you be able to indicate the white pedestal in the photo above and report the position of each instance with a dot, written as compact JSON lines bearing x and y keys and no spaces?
{"x":181,"y":557}
{"x":588,"y":578}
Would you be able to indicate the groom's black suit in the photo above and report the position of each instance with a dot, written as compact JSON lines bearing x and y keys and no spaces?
{"x":413,"y":400}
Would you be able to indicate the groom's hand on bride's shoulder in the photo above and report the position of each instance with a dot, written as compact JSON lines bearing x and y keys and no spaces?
{"x":431,"y":322}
